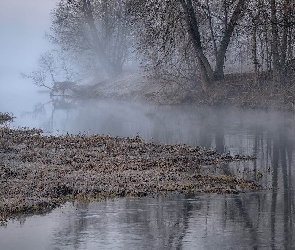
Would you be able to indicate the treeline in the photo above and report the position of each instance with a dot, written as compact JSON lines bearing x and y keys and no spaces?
{"x":203,"y":38}
{"x":192,"y":40}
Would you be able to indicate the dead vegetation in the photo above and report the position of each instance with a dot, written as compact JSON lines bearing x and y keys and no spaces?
{"x":39,"y":172}
{"x":4,"y":117}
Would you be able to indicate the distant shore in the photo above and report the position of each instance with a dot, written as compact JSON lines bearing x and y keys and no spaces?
{"x":239,"y":90}
{"x":39,"y":173}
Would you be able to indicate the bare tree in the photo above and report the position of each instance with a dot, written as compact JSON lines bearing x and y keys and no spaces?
{"x":53,"y":66}
{"x":95,"y":30}
{"x":274,"y":23}
{"x":168,"y":25}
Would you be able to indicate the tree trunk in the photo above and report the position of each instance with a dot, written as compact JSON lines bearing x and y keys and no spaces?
{"x":211,"y":28}
{"x":229,"y":29}
{"x":275,"y":43}
{"x":284,"y":41}
{"x":254,"y":50}
{"x":193,"y":30}
{"x":290,"y":43}
{"x":105,"y":60}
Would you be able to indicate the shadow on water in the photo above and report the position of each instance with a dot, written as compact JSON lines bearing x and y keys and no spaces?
{"x":258,"y":220}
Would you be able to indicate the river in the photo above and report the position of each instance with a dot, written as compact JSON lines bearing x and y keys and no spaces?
{"x":254,"y":220}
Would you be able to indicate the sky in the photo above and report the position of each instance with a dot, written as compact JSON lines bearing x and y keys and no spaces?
{"x":23,"y":24}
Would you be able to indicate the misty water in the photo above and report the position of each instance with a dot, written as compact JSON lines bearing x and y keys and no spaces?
{"x":254,"y":220}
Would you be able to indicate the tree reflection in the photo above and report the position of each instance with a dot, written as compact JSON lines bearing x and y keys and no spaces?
{"x":260,"y":220}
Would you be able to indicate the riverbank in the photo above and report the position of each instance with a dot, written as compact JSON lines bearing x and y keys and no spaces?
{"x":241,"y":90}
{"x":39,"y":173}
{"x":238,"y":90}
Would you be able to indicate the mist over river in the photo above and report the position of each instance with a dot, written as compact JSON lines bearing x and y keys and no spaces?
{"x":255,"y":220}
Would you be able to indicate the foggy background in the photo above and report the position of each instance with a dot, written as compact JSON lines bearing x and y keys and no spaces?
{"x":22,"y":26}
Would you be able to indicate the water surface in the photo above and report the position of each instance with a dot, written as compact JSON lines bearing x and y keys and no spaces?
{"x":255,"y":220}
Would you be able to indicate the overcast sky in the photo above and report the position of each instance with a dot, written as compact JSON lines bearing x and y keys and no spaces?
{"x":23,"y":24}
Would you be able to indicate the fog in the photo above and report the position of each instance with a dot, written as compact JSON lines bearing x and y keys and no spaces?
{"x":269,"y":135}
{"x":22,"y":26}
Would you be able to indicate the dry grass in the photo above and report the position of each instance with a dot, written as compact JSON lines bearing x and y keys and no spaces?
{"x":40,"y":172}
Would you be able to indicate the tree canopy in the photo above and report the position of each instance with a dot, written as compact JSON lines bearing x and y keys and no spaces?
{"x":198,"y":41}
{"x":210,"y":33}
{"x":94,"y":30}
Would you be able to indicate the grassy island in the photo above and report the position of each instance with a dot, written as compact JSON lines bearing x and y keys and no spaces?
{"x":39,"y":172}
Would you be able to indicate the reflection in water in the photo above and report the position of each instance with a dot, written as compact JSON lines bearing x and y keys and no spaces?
{"x":259,"y":220}
{"x":243,"y":221}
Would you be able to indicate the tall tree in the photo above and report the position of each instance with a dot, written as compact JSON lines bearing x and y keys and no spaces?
{"x":275,"y":42}
{"x":229,"y":27}
{"x":163,"y":20}
{"x":95,"y":29}
{"x":281,"y":17}
{"x":193,"y":31}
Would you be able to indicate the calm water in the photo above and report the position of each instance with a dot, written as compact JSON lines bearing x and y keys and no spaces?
{"x":256,"y":220}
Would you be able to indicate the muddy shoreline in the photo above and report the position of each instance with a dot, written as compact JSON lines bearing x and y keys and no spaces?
{"x":40,"y":172}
